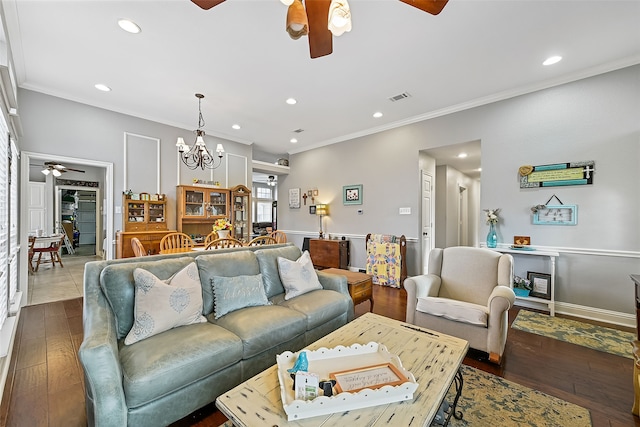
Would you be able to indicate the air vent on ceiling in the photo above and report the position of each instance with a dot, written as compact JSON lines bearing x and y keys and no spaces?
{"x":400,"y":96}
{"x":298,"y":131}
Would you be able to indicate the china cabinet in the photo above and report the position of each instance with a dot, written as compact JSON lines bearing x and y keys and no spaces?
{"x":241,"y":213}
{"x":144,"y":215}
{"x":198,"y":207}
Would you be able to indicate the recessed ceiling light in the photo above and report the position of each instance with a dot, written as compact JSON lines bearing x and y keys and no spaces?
{"x":236,"y":127}
{"x":377,"y":114}
{"x":552,"y":60}
{"x":129,"y":26}
{"x":291,"y":101}
{"x":293,"y":140}
{"x":462,"y":155}
{"x":102,"y":87}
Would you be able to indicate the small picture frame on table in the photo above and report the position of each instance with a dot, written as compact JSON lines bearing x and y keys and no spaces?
{"x":540,"y":284}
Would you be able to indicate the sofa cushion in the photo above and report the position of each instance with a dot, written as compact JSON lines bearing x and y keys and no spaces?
{"x":298,"y":277}
{"x":161,"y":305}
{"x":264,"y":327}
{"x":234,"y":293}
{"x":118,"y":286}
{"x":459,"y":311}
{"x":319,"y":307}
{"x":268,"y":259}
{"x":166,"y":362}
{"x":229,"y":264}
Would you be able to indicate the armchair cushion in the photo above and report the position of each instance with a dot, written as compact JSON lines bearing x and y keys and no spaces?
{"x":459,"y":311}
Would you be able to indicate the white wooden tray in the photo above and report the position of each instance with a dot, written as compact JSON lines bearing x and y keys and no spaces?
{"x":326,"y":361}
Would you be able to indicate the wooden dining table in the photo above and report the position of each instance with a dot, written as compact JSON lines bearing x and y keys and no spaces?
{"x":182,"y":250}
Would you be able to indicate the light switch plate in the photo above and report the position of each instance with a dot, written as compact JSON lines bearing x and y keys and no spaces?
{"x":405,"y":211}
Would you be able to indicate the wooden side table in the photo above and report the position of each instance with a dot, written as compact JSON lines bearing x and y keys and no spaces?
{"x":360,"y":285}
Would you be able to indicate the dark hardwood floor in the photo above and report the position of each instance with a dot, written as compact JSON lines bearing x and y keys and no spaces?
{"x":45,"y":383}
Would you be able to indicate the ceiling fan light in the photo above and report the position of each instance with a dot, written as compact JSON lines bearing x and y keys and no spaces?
{"x":56,"y":172}
{"x":286,"y":2}
{"x":339,"y":17}
{"x":297,"y":23}
{"x":45,"y":171}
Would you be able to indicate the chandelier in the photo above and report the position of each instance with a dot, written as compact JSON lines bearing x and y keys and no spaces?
{"x":198,"y":155}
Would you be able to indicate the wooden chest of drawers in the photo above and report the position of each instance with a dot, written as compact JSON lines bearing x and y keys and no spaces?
{"x":329,"y":253}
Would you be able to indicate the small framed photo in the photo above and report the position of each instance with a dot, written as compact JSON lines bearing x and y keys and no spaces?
{"x":315,"y":193}
{"x":309,"y":193}
{"x":312,"y":209}
{"x":352,"y":194}
{"x":540,"y":285}
{"x":373,"y":377}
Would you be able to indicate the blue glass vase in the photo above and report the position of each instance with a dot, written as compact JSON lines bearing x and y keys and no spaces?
{"x":492,"y":237}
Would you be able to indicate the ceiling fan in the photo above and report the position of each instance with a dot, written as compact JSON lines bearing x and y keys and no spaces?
{"x":57,"y":169}
{"x":316,"y":22}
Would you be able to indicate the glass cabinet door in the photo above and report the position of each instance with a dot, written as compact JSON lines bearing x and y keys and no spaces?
{"x":194,"y":203}
{"x":217,"y":204}
{"x":135,"y":209}
{"x":241,"y":212}
{"x":156,"y":212}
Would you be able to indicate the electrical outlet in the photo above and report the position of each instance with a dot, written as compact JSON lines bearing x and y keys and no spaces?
{"x":405,"y":211}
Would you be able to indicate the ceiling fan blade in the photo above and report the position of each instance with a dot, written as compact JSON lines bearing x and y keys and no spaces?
{"x":207,"y":4}
{"x":320,"y":38}
{"x":74,"y":170}
{"x":433,"y":7}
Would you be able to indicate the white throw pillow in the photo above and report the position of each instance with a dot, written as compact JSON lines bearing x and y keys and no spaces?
{"x":298,"y":277}
{"x":161,"y":305}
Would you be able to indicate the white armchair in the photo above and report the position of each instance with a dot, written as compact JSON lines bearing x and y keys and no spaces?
{"x":466,"y":294}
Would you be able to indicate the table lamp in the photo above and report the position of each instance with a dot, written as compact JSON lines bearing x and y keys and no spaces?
{"x":322,"y":210}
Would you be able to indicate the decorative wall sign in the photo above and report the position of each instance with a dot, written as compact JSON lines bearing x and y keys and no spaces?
{"x":294,"y":198}
{"x":556,"y":215}
{"x":559,"y":174}
{"x":352,"y":194}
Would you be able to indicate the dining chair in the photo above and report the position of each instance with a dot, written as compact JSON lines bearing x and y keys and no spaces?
{"x":55,"y":244}
{"x":210,"y":238}
{"x":262,"y":240}
{"x":138,"y":247}
{"x":227,"y":242}
{"x":280,"y":236}
{"x":176,"y":240}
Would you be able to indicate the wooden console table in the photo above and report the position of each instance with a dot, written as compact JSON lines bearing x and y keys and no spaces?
{"x":327,"y":253}
{"x":360,"y":285}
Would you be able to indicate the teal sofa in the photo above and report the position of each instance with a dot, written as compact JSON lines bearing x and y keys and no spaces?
{"x":161,"y":379}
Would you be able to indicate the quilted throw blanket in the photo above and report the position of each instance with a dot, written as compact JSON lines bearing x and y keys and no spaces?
{"x":383,"y":260}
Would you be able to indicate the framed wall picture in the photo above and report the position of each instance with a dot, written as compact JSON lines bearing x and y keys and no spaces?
{"x":540,"y":285}
{"x":312,"y":209}
{"x":352,"y":194}
{"x":556,"y":215}
{"x":294,"y":198}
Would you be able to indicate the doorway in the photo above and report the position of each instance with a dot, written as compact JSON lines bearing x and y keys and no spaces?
{"x":78,"y":216}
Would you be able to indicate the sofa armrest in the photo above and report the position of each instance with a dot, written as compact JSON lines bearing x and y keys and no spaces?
{"x":501,"y":299}
{"x":337,"y":283}
{"x":98,"y":354}
{"x":426,"y":285}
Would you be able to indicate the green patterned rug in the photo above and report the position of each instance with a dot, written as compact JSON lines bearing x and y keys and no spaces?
{"x":488,"y":400}
{"x":595,"y":337}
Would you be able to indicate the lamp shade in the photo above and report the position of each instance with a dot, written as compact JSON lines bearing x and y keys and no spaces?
{"x":322,"y":209}
{"x":339,"y":17}
{"x":297,"y":23}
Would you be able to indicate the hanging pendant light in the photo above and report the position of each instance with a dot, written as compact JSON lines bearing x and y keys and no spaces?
{"x":198,"y":155}
{"x":339,"y":17}
{"x":297,"y":23}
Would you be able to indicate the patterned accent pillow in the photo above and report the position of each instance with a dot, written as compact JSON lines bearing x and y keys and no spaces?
{"x":233,"y":293}
{"x":161,"y":305}
{"x":298,"y":277}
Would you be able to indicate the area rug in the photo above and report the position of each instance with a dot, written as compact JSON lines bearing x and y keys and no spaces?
{"x":488,"y":400}
{"x":592,"y":336}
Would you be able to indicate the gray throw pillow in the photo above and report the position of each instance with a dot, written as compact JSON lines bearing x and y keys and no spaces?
{"x":233,"y":293}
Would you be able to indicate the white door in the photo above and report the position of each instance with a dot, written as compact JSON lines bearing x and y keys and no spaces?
{"x":37,"y":207}
{"x":427,"y":218}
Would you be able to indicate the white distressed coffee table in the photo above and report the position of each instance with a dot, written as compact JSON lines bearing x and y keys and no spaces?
{"x":433,"y":358}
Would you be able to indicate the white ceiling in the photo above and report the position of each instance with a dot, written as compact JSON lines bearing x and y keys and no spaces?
{"x":240,"y":57}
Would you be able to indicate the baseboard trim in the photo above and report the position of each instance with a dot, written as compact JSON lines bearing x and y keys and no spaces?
{"x":597,"y":314}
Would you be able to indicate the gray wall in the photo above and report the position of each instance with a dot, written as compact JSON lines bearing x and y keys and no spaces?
{"x":66,"y":128}
{"x":591,"y":119}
